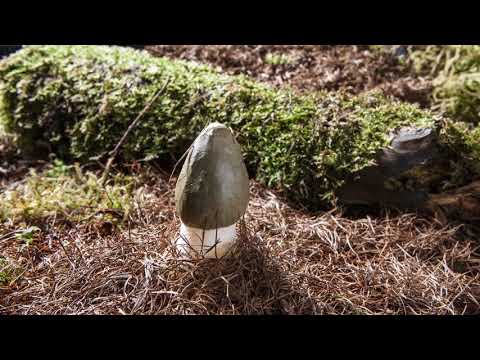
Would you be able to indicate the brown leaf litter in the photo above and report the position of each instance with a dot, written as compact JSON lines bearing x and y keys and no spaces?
{"x":350,"y":68}
{"x":287,"y":262}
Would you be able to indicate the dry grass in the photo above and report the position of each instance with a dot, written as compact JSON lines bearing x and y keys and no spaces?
{"x":287,"y":262}
{"x":353,"y":69}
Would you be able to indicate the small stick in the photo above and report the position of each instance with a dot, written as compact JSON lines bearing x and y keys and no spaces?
{"x":216,"y":233}
{"x":178,"y":162}
{"x":66,"y":253}
{"x":184,"y":154}
{"x":214,"y":246}
{"x":188,"y":243}
{"x":114,"y":153}
{"x":203,"y":235}
{"x":78,"y":249}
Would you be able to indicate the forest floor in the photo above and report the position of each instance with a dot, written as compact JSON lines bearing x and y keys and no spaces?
{"x":353,"y":69}
{"x":287,"y":261}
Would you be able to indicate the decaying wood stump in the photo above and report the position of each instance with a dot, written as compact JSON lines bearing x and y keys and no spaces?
{"x":410,"y":148}
{"x":459,"y":203}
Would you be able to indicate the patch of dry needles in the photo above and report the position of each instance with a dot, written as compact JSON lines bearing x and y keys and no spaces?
{"x":286,"y":262}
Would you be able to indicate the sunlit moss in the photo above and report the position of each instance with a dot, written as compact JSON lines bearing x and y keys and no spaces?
{"x":8,"y":272}
{"x":455,"y":70}
{"x":66,"y":192}
{"x":79,"y":100}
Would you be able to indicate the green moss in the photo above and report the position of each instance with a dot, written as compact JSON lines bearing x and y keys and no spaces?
{"x":278,"y":59}
{"x":464,"y":139}
{"x":28,"y":235}
{"x":7,"y":272}
{"x":79,"y":101}
{"x":455,"y":70}
{"x":65,"y":192}
{"x":3,"y":118}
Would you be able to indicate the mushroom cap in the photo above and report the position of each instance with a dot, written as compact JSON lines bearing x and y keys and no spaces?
{"x":212,"y":188}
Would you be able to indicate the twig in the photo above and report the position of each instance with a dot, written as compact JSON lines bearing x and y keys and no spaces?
{"x":78,"y":249}
{"x":114,"y":153}
{"x":185,"y":154}
{"x":178,"y":162}
{"x":66,"y":253}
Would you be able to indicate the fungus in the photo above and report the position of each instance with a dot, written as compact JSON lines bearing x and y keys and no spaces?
{"x":211,"y":194}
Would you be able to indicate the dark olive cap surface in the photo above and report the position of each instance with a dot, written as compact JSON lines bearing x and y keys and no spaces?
{"x":212,"y":188}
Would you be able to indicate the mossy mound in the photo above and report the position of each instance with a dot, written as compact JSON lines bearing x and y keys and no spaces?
{"x":455,"y":70}
{"x":78,"y":101}
{"x":66,"y":192}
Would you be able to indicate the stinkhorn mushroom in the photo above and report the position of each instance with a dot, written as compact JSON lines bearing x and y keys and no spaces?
{"x":211,"y":194}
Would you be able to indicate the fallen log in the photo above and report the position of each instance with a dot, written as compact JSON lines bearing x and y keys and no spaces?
{"x":316,"y":149}
{"x":461,"y":203}
{"x":410,"y":148}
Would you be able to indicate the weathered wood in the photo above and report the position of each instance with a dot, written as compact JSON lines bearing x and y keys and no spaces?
{"x":409,"y":149}
{"x":461,"y":203}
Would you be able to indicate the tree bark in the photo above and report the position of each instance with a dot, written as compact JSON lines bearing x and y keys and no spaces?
{"x":409,"y":148}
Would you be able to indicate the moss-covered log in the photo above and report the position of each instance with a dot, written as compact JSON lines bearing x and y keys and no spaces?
{"x":78,"y":101}
{"x":455,"y":73}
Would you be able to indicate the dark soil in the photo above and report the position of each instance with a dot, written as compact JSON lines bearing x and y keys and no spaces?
{"x":354,"y":69}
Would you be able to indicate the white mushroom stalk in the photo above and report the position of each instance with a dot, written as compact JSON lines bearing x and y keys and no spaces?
{"x":211,"y":194}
